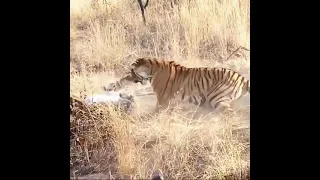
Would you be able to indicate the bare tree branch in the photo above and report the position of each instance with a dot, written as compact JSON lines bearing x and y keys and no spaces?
{"x":142,"y":8}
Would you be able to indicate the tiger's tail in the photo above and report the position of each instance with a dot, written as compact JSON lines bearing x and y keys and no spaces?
{"x":246,"y":87}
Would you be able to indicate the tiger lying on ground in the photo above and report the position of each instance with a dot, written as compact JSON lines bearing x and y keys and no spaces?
{"x":126,"y":103}
{"x":214,"y":88}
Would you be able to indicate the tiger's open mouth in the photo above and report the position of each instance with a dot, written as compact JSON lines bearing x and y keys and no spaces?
{"x":136,"y":81}
{"x":138,"y":78}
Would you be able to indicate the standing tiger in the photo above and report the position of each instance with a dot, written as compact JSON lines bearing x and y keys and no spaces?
{"x":214,"y":88}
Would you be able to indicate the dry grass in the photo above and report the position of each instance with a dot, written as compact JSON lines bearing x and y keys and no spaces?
{"x":110,"y":37}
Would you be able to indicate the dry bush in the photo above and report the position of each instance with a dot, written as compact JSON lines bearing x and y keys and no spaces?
{"x":94,"y":129}
{"x":195,"y":33}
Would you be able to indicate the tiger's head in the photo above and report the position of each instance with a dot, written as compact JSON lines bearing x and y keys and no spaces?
{"x":145,"y":68}
{"x":132,"y":77}
{"x":141,"y":70}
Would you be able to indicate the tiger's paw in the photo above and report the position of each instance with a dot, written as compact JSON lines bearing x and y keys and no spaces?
{"x":109,"y":87}
{"x":228,"y":112}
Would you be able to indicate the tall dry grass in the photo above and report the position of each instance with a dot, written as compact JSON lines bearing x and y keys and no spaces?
{"x":113,"y":35}
{"x":195,"y":33}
